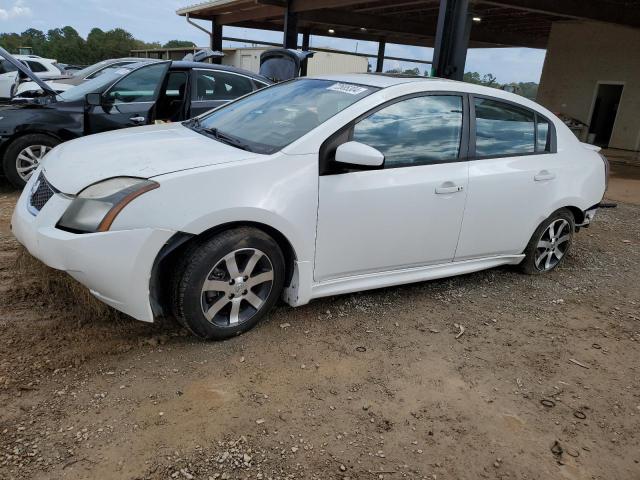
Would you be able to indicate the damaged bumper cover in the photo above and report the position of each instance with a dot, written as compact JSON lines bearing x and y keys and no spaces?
{"x":115,"y":266}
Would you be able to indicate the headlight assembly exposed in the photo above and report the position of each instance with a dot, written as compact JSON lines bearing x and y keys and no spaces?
{"x":96,"y":207}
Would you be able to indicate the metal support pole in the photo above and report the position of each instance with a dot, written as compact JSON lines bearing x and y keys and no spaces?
{"x":452,"y":39}
{"x":216,"y":41}
{"x":382,"y":44}
{"x":306,"y":38}
{"x":290,"y":28}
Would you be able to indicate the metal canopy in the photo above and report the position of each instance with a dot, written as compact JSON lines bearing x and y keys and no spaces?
{"x":522,"y":23}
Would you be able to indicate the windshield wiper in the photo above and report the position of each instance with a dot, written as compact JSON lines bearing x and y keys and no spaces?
{"x":226,"y":138}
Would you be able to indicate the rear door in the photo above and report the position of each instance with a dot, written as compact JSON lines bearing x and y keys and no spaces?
{"x":212,"y":88}
{"x":514,"y":178}
{"x":131,"y":101}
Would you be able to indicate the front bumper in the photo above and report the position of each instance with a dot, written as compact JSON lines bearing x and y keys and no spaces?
{"x":115,"y":266}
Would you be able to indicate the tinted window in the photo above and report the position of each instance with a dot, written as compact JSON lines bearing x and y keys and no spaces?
{"x":139,"y":86}
{"x":273,"y":117}
{"x":36,"y":67}
{"x":543,"y":143}
{"x":176,"y":84}
{"x":415,"y":131}
{"x":503,"y":129}
{"x":216,"y":85}
{"x":6,"y":67}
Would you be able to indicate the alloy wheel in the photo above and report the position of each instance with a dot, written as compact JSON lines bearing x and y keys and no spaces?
{"x":28,"y":160}
{"x":237,"y":287}
{"x":553,"y":245}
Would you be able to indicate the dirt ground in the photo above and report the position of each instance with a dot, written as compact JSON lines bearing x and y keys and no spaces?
{"x":365,"y":386}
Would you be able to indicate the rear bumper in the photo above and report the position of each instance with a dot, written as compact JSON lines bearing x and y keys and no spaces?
{"x":115,"y":266}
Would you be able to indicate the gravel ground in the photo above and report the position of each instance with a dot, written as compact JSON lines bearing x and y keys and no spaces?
{"x":543,"y":383}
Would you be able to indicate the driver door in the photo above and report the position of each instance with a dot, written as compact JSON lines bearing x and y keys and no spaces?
{"x":408,"y":213}
{"x":130,"y":102}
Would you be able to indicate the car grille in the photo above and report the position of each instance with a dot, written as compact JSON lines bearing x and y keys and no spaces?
{"x":41,"y":193}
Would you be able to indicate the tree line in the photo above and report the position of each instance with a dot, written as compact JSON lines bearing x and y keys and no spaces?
{"x":526,"y":89}
{"x":67,"y":46}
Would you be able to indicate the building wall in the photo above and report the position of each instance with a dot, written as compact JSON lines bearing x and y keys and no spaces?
{"x":320,"y":63}
{"x":579,"y":55}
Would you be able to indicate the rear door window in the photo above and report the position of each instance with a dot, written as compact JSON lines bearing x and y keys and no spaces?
{"x":6,"y":67}
{"x":219,"y":85}
{"x":503,"y":129}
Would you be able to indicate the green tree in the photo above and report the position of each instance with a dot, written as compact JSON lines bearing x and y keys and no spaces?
{"x":179,"y":44}
{"x":10,"y":41}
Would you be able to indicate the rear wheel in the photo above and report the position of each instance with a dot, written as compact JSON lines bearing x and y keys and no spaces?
{"x":23,"y":156}
{"x":225,"y":285}
{"x":550,"y":243}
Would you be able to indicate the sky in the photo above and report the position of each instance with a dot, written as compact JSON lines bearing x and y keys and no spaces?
{"x":155,"y":20}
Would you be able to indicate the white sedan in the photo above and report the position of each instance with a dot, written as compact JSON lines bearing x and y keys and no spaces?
{"x":314,"y":187}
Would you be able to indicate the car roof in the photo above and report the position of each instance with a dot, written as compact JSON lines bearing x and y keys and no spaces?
{"x":385,"y":80}
{"x":374,"y":79}
{"x":31,"y":57}
{"x":215,"y":66}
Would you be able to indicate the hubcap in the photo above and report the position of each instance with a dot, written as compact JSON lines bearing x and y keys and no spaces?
{"x":29,"y":159}
{"x":553,"y":245}
{"x":237,"y":287}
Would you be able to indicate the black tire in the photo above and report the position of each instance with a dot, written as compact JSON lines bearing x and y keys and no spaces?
{"x":535,"y":261}
{"x":189,"y":301}
{"x":10,"y":160}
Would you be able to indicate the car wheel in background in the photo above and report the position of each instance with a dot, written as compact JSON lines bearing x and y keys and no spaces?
{"x":550,"y":243}
{"x":23,"y":156}
{"x":225,"y":285}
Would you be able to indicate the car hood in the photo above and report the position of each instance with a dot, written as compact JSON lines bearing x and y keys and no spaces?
{"x":143,"y":152}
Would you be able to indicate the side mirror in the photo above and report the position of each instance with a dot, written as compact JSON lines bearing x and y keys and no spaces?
{"x":356,"y":153}
{"x":93,"y":99}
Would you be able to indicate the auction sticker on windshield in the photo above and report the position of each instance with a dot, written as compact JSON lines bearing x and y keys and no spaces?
{"x":346,"y":88}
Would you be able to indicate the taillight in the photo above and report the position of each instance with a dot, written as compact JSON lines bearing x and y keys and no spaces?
{"x":607,"y":167}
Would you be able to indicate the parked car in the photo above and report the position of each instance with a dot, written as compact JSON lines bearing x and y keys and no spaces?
{"x":72,"y":79}
{"x":126,"y":96}
{"x":44,"y":68}
{"x":310,"y":188}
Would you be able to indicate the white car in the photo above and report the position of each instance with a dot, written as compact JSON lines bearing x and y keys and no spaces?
{"x":44,"y":68}
{"x":69,"y":80}
{"x":309,"y":188}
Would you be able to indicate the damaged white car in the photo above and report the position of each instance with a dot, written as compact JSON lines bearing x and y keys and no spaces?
{"x":310,"y":188}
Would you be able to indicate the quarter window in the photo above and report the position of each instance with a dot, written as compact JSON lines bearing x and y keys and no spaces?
{"x":139,"y":86}
{"x":218,"y":85}
{"x":36,"y":67}
{"x":416,"y":131}
{"x":503,"y":129}
{"x":543,"y":142}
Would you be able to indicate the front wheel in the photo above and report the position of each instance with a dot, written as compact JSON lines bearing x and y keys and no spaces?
{"x":550,"y":243}
{"x":23,"y":156}
{"x":225,"y":285}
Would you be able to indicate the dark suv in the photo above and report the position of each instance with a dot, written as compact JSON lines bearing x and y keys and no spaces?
{"x":125,"y":96}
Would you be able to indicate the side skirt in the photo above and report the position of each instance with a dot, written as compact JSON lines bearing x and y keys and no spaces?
{"x":408,"y":275}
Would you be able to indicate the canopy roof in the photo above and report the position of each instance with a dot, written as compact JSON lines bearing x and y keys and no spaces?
{"x":523,"y":23}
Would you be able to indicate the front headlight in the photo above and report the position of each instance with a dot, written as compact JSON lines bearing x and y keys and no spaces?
{"x":96,"y":207}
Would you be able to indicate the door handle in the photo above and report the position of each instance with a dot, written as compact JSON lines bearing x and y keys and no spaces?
{"x":138,"y":119}
{"x":544,"y":176}
{"x":448,"y":188}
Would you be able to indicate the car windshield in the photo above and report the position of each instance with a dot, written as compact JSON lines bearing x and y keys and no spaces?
{"x":274,"y":117}
{"x":98,"y":84}
{"x":85,"y":72}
